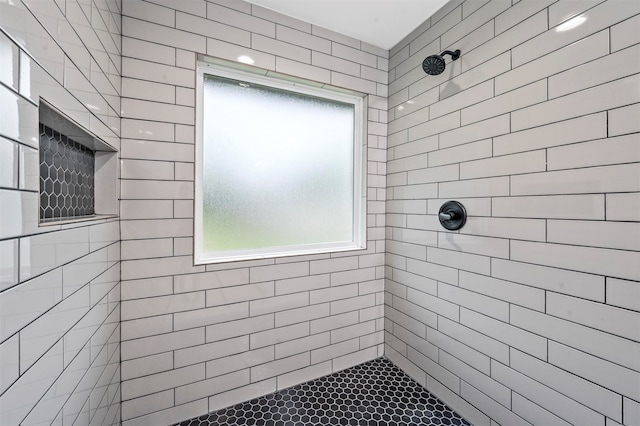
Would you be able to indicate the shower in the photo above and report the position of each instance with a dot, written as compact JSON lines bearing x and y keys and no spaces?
{"x":434,"y":64}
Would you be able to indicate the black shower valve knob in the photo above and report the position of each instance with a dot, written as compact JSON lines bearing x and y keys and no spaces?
{"x":452,"y":215}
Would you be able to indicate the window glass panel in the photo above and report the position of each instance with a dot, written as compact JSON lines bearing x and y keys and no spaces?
{"x":277,"y":167}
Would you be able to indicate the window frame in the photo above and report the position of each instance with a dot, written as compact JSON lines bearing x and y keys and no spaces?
{"x":293,"y":84}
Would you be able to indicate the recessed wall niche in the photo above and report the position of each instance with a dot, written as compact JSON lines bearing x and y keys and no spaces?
{"x":78,"y":171}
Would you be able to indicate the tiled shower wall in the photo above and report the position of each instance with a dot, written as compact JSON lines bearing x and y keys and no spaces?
{"x":59,"y":284}
{"x":531,"y":313}
{"x":195,"y":339}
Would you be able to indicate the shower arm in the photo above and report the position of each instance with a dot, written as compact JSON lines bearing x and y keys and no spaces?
{"x":454,"y":55}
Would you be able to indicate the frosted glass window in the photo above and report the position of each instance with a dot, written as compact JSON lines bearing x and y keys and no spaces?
{"x":279,"y":171}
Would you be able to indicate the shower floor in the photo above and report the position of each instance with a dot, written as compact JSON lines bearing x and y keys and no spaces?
{"x":375,"y":393}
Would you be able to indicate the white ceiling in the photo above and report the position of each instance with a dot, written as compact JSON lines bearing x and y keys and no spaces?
{"x":382,"y":23}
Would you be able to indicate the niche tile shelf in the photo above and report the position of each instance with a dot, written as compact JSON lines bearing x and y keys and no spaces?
{"x":375,"y":393}
{"x":78,"y":171}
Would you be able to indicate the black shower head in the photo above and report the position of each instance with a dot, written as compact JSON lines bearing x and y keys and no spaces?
{"x":434,"y":64}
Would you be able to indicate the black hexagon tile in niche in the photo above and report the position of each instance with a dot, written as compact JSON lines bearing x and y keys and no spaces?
{"x":375,"y":393}
{"x":66,"y":177}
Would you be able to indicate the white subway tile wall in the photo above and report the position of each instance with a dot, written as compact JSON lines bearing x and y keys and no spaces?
{"x":529,"y":314}
{"x":244,"y":328}
{"x":59,"y":284}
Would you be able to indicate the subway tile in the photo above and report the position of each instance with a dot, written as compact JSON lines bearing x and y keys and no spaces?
{"x":164,"y":35}
{"x":278,"y":303}
{"x":210,"y":280}
{"x":148,"y":170}
{"x":240,"y":327}
{"x":610,"y":319}
{"x":232,"y":52}
{"x":161,"y":343}
{"x":598,"y":18}
{"x":148,"y":268}
{"x":467,"y":354}
{"x":625,"y":294}
{"x":487,"y":187}
{"x":240,"y":20}
{"x":544,"y":396}
{"x":304,"y":344}
{"x":354,"y":303}
{"x":487,"y":305}
{"x":278,"y":335}
{"x":361,"y":85}
{"x":504,"y":290}
{"x":534,"y":161}
{"x":10,"y":369}
{"x":605,"y":96}
{"x":615,"y":349}
{"x":513,"y":336}
{"x":149,"y":189}
{"x":11,"y":60}
{"x":40,"y":294}
{"x":532,"y":26}
{"x":472,"y":77}
{"x":435,"y":370}
{"x":461,"y":153}
{"x":210,"y":351}
{"x":459,"y":260}
{"x":617,"y":178}
{"x":148,"y":90}
{"x":139,"y":289}
{"x":615,"y":263}
{"x":487,"y":246}
{"x":623,"y":120}
{"x":586,"y":76}
{"x":174,"y":414}
{"x":8,"y":263}
{"x":589,"y":394}
{"x":332,"y":322}
{"x":631,"y":411}
{"x":147,"y":404}
{"x":619,"y":379}
{"x":140,"y":249}
{"x":134,"y":108}
{"x":29,"y":388}
{"x":138,"y":71}
{"x":169,"y":379}
{"x":276,"y":272}
{"x":241,"y":293}
{"x":439,"y":305}
{"x":42,"y":253}
{"x":299,"y":69}
{"x":552,"y":207}
{"x":561,"y":12}
{"x":433,"y":127}
{"x":416,"y":342}
{"x":415,"y":281}
{"x":433,"y":271}
{"x":480,"y":381}
{"x":558,"y":280}
{"x":11,"y":160}
{"x":616,"y":235}
{"x":534,"y":413}
{"x":521,"y":229}
{"x":281,"y":366}
{"x":624,"y":34}
{"x":148,"y":51}
{"x":203,"y":388}
{"x":477,"y":131}
{"x":145,"y":327}
{"x":303,"y":375}
{"x":562,"y":133}
{"x":146,"y":209}
{"x":578,"y":53}
{"x":162,"y":151}
{"x":463,"y":96}
{"x":623,"y":206}
{"x":239,"y":361}
{"x":295,"y":285}
{"x":243,"y":393}
{"x":303,"y":39}
{"x":280,"y":48}
{"x":516,"y":100}
{"x":209,"y":316}
{"x":333,"y":351}
{"x":141,"y":308}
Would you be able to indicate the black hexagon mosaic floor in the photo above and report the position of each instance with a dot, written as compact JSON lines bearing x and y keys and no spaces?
{"x":375,"y":393}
